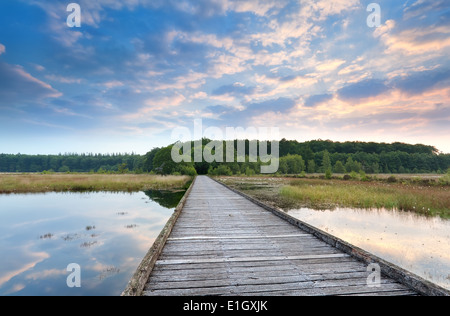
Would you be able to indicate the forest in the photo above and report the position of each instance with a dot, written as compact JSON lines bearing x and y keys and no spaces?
{"x":99,"y":163}
{"x":316,"y":156}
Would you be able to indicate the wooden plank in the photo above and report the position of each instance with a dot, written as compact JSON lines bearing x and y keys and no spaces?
{"x":334,"y":287}
{"x":238,"y":237}
{"x":248,"y":259}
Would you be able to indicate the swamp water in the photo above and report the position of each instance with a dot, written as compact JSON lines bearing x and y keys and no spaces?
{"x":105,"y":234}
{"x":414,"y":242}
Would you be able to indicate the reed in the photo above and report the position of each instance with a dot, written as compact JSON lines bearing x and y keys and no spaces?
{"x":41,"y":183}
{"x":427,"y":200}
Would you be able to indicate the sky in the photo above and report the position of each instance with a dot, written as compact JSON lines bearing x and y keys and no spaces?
{"x":138,"y":69}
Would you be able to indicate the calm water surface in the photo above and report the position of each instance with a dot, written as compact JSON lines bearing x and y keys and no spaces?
{"x":106,"y":234}
{"x":416,"y":243}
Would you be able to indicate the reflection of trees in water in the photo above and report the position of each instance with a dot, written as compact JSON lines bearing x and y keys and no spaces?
{"x":167,"y":199}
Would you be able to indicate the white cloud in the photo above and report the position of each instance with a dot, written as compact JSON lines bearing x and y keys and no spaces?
{"x":60,"y":79}
{"x":112,"y":84}
{"x":258,"y":7}
{"x":39,"y":67}
{"x":326,"y":8}
{"x":330,"y":65}
{"x":2,"y":49}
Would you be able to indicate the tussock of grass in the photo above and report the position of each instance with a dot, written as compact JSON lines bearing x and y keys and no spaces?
{"x":39,"y":183}
{"x":325,"y":194}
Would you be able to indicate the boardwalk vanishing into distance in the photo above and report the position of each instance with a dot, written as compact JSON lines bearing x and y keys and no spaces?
{"x":224,"y":244}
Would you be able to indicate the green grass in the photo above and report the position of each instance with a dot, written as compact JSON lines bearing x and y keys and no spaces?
{"x":325,"y":194}
{"x":40,"y":183}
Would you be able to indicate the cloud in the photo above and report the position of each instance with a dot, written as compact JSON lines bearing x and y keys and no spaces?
{"x":330,"y":65}
{"x":420,"y":82}
{"x":363,"y":89}
{"x":424,"y":8}
{"x":18,"y":86}
{"x":416,"y":40}
{"x":236,"y":89}
{"x":2,"y":49}
{"x":327,"y":8}
{"x":314,"y":100}
{"x":112,"y":84}
{"x":60,"y":79}
{"x":220,"y":109}
{"x":257,"y":7}
{"x":280,"y":105}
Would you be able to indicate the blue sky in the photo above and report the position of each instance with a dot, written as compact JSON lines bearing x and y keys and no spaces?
{"x":137,"y":69}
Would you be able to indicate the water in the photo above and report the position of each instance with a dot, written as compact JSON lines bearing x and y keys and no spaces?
{"x":106,"y":234}
{"x":416,"y":243}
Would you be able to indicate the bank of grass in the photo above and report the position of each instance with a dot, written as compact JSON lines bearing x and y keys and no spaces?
{"x":41,"y":183}
{"x":427,"y":200}
{"x":289,"y":193}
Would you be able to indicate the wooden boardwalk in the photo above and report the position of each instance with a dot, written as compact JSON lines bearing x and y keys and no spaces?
{"x":223,"y":244}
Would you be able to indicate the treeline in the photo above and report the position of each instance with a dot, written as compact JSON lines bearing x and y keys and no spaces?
{"x":310,"y":157}
{"x":115,"y":163}
{"x":314,"y":157}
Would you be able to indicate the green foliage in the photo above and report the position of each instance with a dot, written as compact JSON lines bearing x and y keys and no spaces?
{"x":64,"y":169}
{"x":392,"y":179}
{"x":339,"y":167}
{"x":326,"y":162}
{"x":328,"y":174}
{"x":292,"y":164}
{"x":122,"y":168}
{"x":352,"y":166}
{"x":222,"y":170}
{"x":311,"y":166}
{"x":249,"y":172}
{"x":188,"y":171}
{"x":363,"y":176}
{"x":148,"y":159}
{"x":445,"y":180}
{"x":320,"y":155}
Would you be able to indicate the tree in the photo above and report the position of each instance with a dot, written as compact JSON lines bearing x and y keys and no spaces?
{"x":122,"y":169}
{"x":292,"y":164}
{"x":339,"y":167}
{"x":148,"y":159}
{"x":284,"y":167}
{"x":326,"y":162}
{"x":311,"y":166}
{"x":352,"y":165}
{"x":163,"y":158}
{"x":222,"y":170}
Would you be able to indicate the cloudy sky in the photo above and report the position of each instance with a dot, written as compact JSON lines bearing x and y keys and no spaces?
{"x":137,"y":69}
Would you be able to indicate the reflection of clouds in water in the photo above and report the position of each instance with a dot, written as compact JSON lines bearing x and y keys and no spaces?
{"x":18,"y":261}
{"x":15,"y":288}
{"x":108,"y":258}
{"x":46,"y":274}
{"x":417,"y":243}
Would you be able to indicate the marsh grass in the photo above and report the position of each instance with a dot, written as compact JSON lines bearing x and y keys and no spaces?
{"x":41,"y":183}
{"x":427,"y":200}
